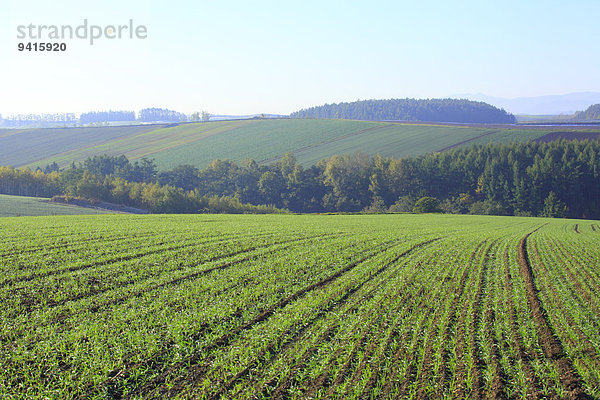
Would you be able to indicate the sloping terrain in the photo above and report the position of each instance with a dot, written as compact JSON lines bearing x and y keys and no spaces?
{"x":262,"y":140}
{"x":15,"y":206}
{"x":299,"y":306}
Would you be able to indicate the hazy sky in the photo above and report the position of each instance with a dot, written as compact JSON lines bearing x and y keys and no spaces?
{"x":243,"y":57}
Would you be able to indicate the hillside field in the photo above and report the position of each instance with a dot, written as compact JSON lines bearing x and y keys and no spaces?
{"x":262,"y":140}
{"x":299,"y":306}
{"x":15,"y":206}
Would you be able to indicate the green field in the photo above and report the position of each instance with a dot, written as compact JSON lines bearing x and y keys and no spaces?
{"x":262,"y":140}
{"x":16,"y":206}
{"x":299,"y":307}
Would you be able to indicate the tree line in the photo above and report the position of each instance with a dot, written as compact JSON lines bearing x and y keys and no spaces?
{"x":555,"y":179}
{"x":433,"y":110}
{"x":161,"y":114}
{"x":78,"y":182}
{"x":144,"y":115}
{"x":43,"y":120}
{"x":106,"y":116}
{"x":591,"y":113}
{"x":101,"y":117}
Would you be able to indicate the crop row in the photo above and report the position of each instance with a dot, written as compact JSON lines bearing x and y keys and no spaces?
{"x":301,"y":307}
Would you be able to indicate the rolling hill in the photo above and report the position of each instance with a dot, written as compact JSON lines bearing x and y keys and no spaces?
{"x":15,"y":206}
{"x":262,"y":140}
{"x":432,"y":110}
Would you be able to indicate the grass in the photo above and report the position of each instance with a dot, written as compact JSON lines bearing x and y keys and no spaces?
{"x":262,"y":140}
{"x":16,"y":206}
{"x":298,"y":306}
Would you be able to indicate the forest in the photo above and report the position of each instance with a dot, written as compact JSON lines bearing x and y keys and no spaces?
{"x":432,"y":110}
{"x":555,"y":179}
{"x":591,"y":113}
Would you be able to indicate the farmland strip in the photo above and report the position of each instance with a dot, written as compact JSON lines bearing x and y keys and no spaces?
{"x":431,"y":325}
{"x":582,"y":341}
{"x":336,"y":304}
{"x":575,"y":278}
{"x":444,"y":379}
{"x":97,"y":307}
{"x":112,"y":260}
{"x":589,"y":279}
{"x":342,"y":375}
{"x":516,"y":335}
{"x":100,"y":239}
{"x":190,"y":276}
{"x":475,"y":343}
{"x":382,"y":311}
{"x":205,"y":271}
{"x":466,"y":141}
{"x":553,"y":348}
{"x":223,"y":340}
{"x":460,"y":374}
{"x":327,"y":335}
{"x":338,"y":138}
{"x":325,"y":380}
{"x":410,"y":357}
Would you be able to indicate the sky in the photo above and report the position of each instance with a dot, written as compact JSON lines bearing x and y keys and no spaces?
{"x":242,"y":57}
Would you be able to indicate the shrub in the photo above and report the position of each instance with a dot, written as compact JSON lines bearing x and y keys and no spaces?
{"x":427,"y":205}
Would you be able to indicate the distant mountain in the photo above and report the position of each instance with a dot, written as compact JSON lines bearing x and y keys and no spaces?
{"x":539,"y":105}
{"x":264,"y":140}
{"x":427,"y":110}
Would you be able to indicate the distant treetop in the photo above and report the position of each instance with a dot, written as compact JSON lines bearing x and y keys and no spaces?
{"x":106,"y":116}
{"x":432,"y":110}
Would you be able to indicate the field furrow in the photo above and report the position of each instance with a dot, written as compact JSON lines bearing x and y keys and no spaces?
{"x":299,"y":307}
{"x":551,"y":344}
{"x":288,"y":334}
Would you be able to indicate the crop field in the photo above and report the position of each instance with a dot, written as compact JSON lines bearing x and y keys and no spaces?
{"x":25,"y":147}
{"x":299,"y":307}
{"x":199,"y":144}
{"x":16,"y":206}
